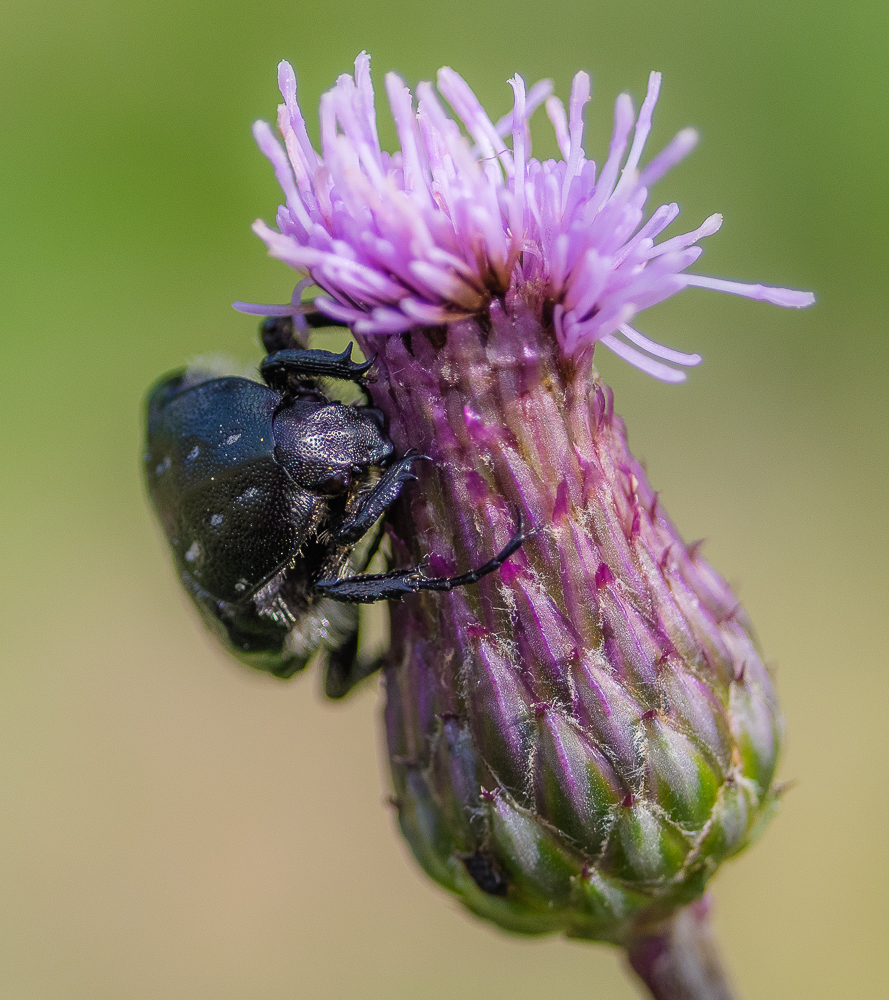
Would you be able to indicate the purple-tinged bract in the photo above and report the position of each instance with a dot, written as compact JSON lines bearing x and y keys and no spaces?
{"x":580,"y":739}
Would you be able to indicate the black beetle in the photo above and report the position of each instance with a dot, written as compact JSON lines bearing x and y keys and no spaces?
{"x":265,"y":492}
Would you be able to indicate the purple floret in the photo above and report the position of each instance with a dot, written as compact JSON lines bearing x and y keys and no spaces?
{"x":455,"y":219}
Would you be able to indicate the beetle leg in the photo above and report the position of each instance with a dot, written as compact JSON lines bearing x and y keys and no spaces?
{"x":394,"y":585}
{"x":474,"y":575}
{"x":375,"y":503}
{"x":373,"y":548}
{"x":319,"y":320}
{"x":369,"y":588}
{"x":278,"y":332}
{"x":345,"y":668}
{"x":277,"y":368}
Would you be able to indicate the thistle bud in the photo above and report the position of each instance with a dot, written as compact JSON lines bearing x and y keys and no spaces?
{"x":578,"y":741}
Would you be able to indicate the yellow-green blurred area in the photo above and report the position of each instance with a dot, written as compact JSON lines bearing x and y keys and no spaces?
{"x":173,"y":826}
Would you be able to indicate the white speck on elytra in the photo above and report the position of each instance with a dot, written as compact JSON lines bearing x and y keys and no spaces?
{"x":194,"y":552}
{"x":232,"y":438}
{"x":193,"y":454}
{"x":216,"y":520}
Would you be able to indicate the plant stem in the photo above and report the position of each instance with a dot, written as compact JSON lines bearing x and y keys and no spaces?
{"x":678,"y":958}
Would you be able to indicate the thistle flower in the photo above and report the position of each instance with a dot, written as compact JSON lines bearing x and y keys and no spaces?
{"x":580,"y":740}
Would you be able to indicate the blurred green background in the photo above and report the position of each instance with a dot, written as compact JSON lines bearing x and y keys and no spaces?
{"x":175,"y":826}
